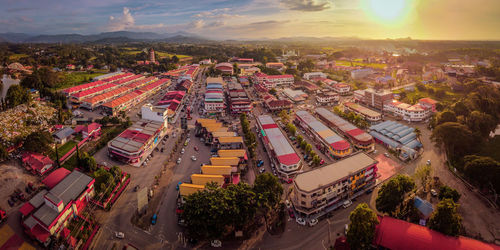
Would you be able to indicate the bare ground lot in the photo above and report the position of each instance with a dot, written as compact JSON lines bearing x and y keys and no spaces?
{"x":13,"y":176}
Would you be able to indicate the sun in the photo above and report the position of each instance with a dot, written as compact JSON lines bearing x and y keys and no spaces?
{"x":387,"y":11}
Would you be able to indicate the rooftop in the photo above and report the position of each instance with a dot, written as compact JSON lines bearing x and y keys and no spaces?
{"x":320,"y":177}
{"x":135,"y":137}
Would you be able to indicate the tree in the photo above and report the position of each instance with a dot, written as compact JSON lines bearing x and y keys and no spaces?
{"x":460,"y":108}
{"x":316,"y":160}
{"x":446,"y":116}
{"x":481,"y":123}
{"x":308,"y":148}
{"x":392,"y":193}
{"x":38,"y":142}
{"x":446,"y":192}
{"x":3,"y":153}
{"x":456,"y":138}
{"x":303,"y":144}
{"x":285,"y":117}
{"x":87,"y":162}
{"x":417,"y":132}
{"x":268,"y":190}
{"x":445,"y":218}
{"x":300,"y":139}
{"x":291,"y":128}
{"x":362,"y":225}
{"x":16,"y":95}
{"x":422,"y":174}
{"x":482,"y":171}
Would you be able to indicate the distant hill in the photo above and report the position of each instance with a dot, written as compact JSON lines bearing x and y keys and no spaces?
{"x":106,"y":37}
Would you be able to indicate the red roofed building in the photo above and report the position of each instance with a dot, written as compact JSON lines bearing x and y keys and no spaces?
{"x":397,"y":234}
{"x":37,"y":163}
{"x":428,"y":103}
{"x":91,"y":130}
{"x":273,"y":104}
{"x":225,"y":68}
{"x":55,"y":177}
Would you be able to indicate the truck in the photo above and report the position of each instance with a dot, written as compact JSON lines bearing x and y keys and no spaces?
{"x":3,"y":215}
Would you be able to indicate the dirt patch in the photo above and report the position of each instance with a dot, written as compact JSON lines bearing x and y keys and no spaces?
{"x":12,"y":177}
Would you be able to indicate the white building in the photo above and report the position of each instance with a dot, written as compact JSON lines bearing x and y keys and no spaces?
{"x":149,"y":112}
{"x":341,"y":88}
{"x":272,"y":81}
{"x":311,"y":75}
{"x":327,"y":98}
{"x":361,"y":73}
{"x":411,"y":113}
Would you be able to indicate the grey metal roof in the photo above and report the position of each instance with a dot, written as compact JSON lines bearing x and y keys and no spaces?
{"x":30,"y":222}
{"x":342,"y":124}
{"x":321,"y":177}
{"x":38,"y":199}
{"x":318,"y":127}
{"x":64,"y":133}
{"x":46,"y":214}
{"x":71,"y":186}
{"x":278,"y":141}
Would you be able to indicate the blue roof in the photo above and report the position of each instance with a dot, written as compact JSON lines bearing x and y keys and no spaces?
{"x":384,"y":139}
{"x":423,"y":206}
{"x":414,"y":144}
{"x":408,"y":138}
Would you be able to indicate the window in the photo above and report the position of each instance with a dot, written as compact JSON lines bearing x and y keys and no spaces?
{"x":302,"y":203}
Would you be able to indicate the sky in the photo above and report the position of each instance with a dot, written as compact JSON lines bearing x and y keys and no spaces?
{"x":256,"y":19}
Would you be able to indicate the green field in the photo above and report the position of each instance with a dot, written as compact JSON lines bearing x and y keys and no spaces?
{"x":357,"y":63}
{"x":63,"y":149}
{"x":17,"y":56}
{"x":130,"y":51}
{"x":76,"y":78}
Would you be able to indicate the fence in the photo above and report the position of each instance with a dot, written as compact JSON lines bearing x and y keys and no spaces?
{"x":70,"y":152}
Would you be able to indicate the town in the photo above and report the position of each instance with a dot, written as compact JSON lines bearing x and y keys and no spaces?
{"x":329,"y":144}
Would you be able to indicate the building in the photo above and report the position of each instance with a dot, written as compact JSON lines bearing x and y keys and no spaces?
{"x":186,"y":189}
{"x":137,"y":142}
{"x":273,"y":81}
{"x":249,"y":71}
{"x":241,"y":60}
{"x":395,"y":234}
{"x":295,"y":95}
{"x":428,"y":103}
{"x":229,"y":142}
{"x":204,"y":179}
{"x":275,"y":65}
{"x":272,"y":104}
{"x":225,"y":68}
{"x":327,"y":141}
{"x":171,"y":101}
{"x":37,"y":163}
{"x":152,"y":55}
{"x":238,"y":100}
{"x":279,"y":150}
{"x":327,"y":98}
{"x":367,"y":114}
{"x":411,"y":113}
{"x":62,"y":135}
{"x":373,"y":98}
{"x":341,"y":88}
{"x":153,"y":113}
{"x":359,"y":138}
{"x":214,"y":101}
{"x":361,"y":73}
{"x":48,"y":212}
{"x":234,"y":162}
{"x":397,"y":137}
{"x":323,"y":189}
{"x":312,"y":75}
{"x":92,"y":130}
{"x":307,"y":86}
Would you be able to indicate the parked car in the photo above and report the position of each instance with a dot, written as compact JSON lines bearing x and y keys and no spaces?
{"x":178,"y":185}
{"x":428,"y":162}
{"x":346,"y":228}
{"x":347,"y":203}
{"x":119,"y":235}
{"x":434,"y":192}
{"x":262,"y":170}
{"x":313,"y":222}
{"x":260,"y":163}
{"x":196,"y":148}
{"x":300,"y":221}
{"x":287,"y":203}
{"x":186,"y":143}
{"x":179,"y":161}
{"x":216,"y":243}
{"x":183,"y":150}
{"x":289,"y":180}
{"x":193,"y":157}
{"x":136,"y":188}
{"x":322,"y":162}
{"x":153,"y":219}
{"x":291,"y":213}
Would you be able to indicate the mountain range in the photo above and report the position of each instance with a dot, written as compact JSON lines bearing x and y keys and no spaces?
{"x":106,"y":37}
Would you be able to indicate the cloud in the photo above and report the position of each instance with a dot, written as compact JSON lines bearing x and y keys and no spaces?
{"x":196,"y":24}
{"x":307,"y":5}
{"x":127,"y":22}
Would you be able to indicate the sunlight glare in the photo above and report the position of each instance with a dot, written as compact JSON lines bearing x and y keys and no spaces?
{"x":388,"y":10}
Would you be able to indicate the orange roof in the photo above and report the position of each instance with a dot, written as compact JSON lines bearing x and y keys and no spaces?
{"x":107,"y":95}
{"x":428,"y":100}
{"x":120,"y":100}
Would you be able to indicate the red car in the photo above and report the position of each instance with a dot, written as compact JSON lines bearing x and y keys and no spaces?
{"x":289,"y":180}
{"x":196,"y":148}
{"x":291,"y":213}
{"x":322,"y":162}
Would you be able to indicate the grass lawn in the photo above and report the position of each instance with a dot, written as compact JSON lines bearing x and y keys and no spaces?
{"x":17,"y":56}
{"x":130,"y":51}
{"x":63,"y":149}
{"x":76,"y":78}
{"x":412,"y":97}
{"x":371,"y":65}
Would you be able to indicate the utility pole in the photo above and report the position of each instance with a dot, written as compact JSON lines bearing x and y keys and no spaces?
{"x":329,"y":233}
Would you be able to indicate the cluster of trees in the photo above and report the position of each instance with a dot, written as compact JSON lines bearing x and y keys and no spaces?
{"x":250,"y":138}
{"x":86,"y":162}
{"x":392,"y":194}
{"x":214,"y":212}
{"x":3,"y":153}
{"x":105,"y":181}
{"x":352,"y":118}
{"x":16,"y":95}
{"x":361,"y":230}
{"x":471,"y":118}
{"x":39,"y":142}
{"x":309,"y":151}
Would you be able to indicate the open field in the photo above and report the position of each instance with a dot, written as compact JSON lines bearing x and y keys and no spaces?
{"x":357,"y":63}
{"x":63,"y":149}
{"x":130,"y":51}
{"x":76,"y":78}
{"x":17,"y":56}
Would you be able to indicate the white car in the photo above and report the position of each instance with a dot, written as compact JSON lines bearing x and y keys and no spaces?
{"x":193,"y":157}
{"x":287,"y":203}
{"x":179,"y":161}
{"x":434,"y":192}
{"x":216,"y":243}
{"x":428,"y":162}
{"x":119,"y":235}
{"x":300,"y":221}
{"x":347,"y":203}
{"x":183,"y":150}
{"x":313,"y":222}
